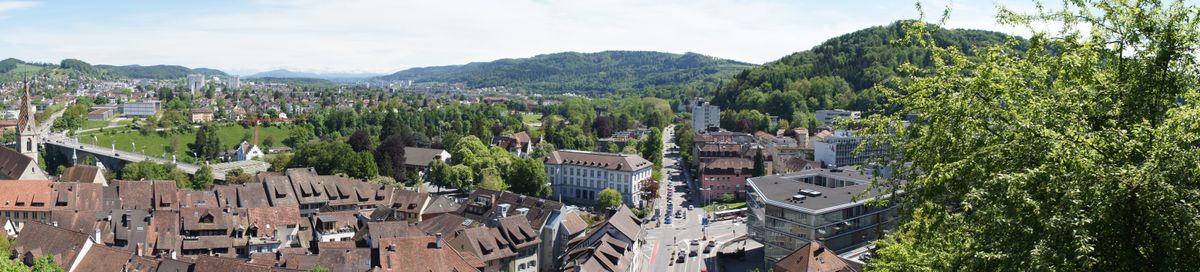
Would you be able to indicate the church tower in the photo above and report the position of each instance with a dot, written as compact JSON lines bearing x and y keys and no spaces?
{"x":27,"y":135}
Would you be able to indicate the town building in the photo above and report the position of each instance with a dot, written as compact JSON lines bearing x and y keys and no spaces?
{"x":827,"y":205}
{"x":418,"y":159}
{"x":579,"y":176}
{"x":705,"y":116}
{"x":815,"y":257}
{"x":195,"y":82}
{"x":831,"y":117}
{"x":518,"y":143}
{"x":838,"y":150}
{"x":233,"y":82}
{"x":101,"y":114}
{"x":247,"y":151}
{"x":614,"y":245}
{"x":140,"y":109}
{"x":83,"y":174}
{"x":23,"y":201}
{"x":201,"y":115}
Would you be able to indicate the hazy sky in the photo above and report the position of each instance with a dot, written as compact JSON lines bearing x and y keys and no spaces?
{"x":385,"y":36}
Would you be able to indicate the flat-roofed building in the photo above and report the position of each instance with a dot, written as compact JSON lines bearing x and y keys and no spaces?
{"x":826,"y":205}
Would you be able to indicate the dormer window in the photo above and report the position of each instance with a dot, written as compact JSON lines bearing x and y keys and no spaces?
{"x":207,"y":218}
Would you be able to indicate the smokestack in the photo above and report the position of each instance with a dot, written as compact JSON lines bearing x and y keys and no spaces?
{"x":438,"y":243}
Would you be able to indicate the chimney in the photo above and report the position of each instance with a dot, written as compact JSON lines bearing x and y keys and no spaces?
{"x":438,"y":243}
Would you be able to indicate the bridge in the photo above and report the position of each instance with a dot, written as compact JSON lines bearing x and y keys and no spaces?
{"x":112,"y":158}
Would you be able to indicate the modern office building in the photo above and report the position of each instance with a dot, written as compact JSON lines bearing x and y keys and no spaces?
{"x":705,"y":115}
{"x":140,"y":109}
{"x":579,"y":176}
{"x":829,"y":117}
{"x":827,"y":205}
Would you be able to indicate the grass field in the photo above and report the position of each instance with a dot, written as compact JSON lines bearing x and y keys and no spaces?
{"x":155,"y":144}
{"x":90,"y":124}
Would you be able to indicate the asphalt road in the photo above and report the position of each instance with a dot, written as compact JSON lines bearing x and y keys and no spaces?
{"x":663,"y":239}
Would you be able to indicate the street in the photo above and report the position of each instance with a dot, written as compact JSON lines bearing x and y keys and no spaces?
{"x":664,"y":239}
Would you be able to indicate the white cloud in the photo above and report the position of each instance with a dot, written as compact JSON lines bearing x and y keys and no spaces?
{"x":6,"y":6}
{"x":385,"y":36}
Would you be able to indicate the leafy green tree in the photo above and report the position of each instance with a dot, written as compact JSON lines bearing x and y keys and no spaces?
{"x":319,"y":268}
{"x":529,"y":178}
{"x":203,"y":179}
{"x":652,"y":148}
{"x":490,"y":179}
{"x":46,"y":264}
{"x":726,"y":198}
{"x":147,"y":170}
{"x":462,"y":177}
{"x":12,"y":265}
{"x":1078,"y":154}
{"x":438,"y":174}
{"x":208,"y":144}
{"x":608,"y":198}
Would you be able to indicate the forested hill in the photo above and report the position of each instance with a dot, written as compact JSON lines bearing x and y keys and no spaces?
{"x":838,"y":73}
{"x":12,"y":69}
{"x":602,"y":72}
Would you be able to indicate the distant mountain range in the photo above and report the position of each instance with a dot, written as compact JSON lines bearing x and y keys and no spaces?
{"x":583,"y":72}
{"x":283,"y":73}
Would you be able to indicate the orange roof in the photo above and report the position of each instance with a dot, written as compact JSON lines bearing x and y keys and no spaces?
{"x":26,"y":195}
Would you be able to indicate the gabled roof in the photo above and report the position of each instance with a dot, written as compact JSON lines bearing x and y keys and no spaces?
{"x":813,"y":257}
{"x":102,"y":258}
{"x":66,"y":245}
{"x":80,"y":173}
{"x":444,"y":224}
{"x":610,"y":161}
{"x":485,"y":243}
{"x":136,"y":194}
{"x":79,"y":196}
{"x":421,"y":254}
{"x":206,"y":263}
{"x":13,"y":164}
{"x":417,"y":156}
{"x":518,"y":232}
{"x":26,"y":195}
{"x":573,"y":222}
{"x":355,"y":259}
{"x":252,"y":195}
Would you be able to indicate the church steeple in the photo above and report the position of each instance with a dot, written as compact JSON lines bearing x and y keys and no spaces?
{"x":27,"y":126}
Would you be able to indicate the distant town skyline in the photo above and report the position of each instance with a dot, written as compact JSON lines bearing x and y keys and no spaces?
{"x":387,"y":36}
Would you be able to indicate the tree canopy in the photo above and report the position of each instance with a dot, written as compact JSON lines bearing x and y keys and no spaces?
{"x":1080,"y":154}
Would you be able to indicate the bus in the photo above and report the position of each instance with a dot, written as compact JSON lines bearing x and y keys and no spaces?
{"x":728,"y":214}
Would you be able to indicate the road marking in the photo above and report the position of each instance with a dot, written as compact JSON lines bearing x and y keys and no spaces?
{"x":654,"y":253}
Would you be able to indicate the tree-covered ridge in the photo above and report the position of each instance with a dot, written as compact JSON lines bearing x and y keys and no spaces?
{"x":11,"y":66}
{"x":157,"y":71}
{"x":838,"y":73}
{"x":603,"y":72}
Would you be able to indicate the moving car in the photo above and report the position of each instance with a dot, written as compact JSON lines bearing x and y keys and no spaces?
{"x":680,"y":257}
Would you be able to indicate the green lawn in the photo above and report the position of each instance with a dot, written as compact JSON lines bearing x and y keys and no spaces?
{"x":90,"y":124}
{"x":716,"y":207}
{"x":155,"y":144}
{"x":531,"y":118}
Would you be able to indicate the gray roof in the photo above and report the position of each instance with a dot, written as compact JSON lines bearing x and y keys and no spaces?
{"x":421,"y":156}
{"x":780,"y":189}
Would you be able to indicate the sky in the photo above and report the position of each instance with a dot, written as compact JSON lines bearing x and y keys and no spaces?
{"x":384,"y":36}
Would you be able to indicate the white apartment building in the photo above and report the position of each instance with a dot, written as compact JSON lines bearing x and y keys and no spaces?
{"x":195,"y":82}
{"x":705,"y":115}
{"x":579,"y":176}
{"x":827,"y":117}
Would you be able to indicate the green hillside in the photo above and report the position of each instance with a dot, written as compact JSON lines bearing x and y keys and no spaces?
{"x":839,"y":73}
{"x":600,"y":72}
